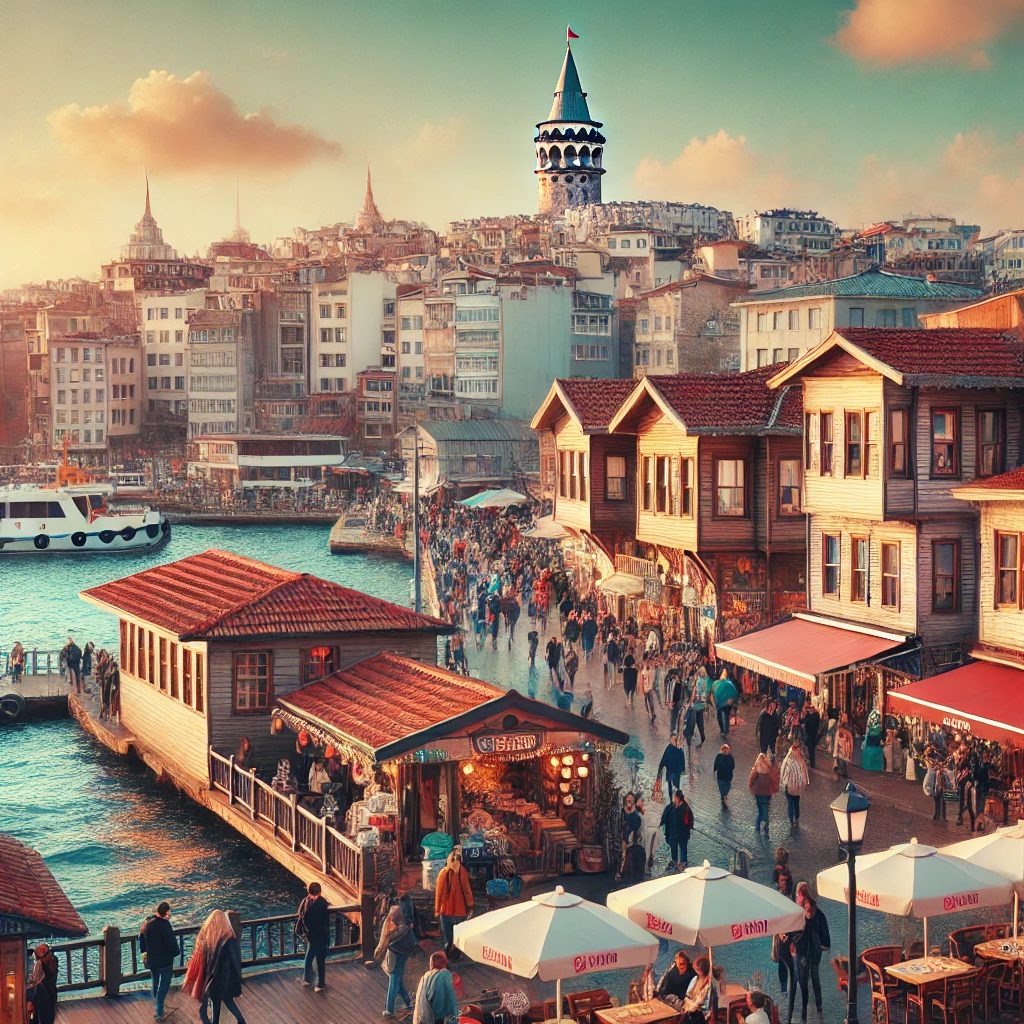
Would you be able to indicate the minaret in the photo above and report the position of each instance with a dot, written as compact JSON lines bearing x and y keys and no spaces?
{"x":570,"y":146}
{"x":146,"y":242}
{"x":369,"y":218}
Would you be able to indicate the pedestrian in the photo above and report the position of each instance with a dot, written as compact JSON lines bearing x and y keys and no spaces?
{"x":435,"y":996}
{"x":674,"y":689}
{"x":160,"y":948}
{"x":42,"y":985}
{"x":724,"y":696}
{"x":680,"y":825}
{"x":812,"y":727}
{"x":17,"y":667}
{"x":87,"y":659}
{"x":629,"y":679}
{"x":512,"y":612}
{"x":73,"y":659}
{"x":766,"y":729}
{"x":807,"y":948}
{"x":572,"y":664}
{"x":397,"y":943}
{"x":453,"y":897}
{"x":794,"y":778}
{"x":534,"y":640}
{"x":312,"y":924}
{"x":676,"y":980}
{"x":554,"y":658}
{"x":214,"y":973}
{"x":724,"y":769}
{"x":673,"y":762}
{"x":699,"y":699}
{"x":761,"y":786}
{"x":588,"y":634}
{"x":572,"y":630}
{"x":781,"y":873}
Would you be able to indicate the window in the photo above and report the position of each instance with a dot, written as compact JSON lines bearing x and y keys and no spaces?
{"x":814,"y":318}
{"x":908,"y":317}
{"x":573,"y":476}
{"x":991,"y":441}
{"x":830,"y":546}
{"x":856,"y":316}
{"x":130,"y":662}
{"x":563,"y":474}
{"x":898,"y":465}
{"x":174,"y":670}
{"x":186,"y":676}
{"x":647,"y":483}
{"x":854,"y":445}
{"x":890,"y":576}
{"x":163,"y":663}
{"x":615,"y":477}
{"x":199,"y":681}
{"x":663,"y":482}
{"x":762,"y":322}
{"x":885,"y":317}
{"x":318,"y":663}
{"x":325,"y":312}
{"x":762,"y":357}
{"x":253,"y":682}
{"x":792,"y":354}
{"x":730,"y":487}
{"x":794,"y":319}
{"x":583,"y":466}
{"x":778,"y":320}
{"x":945,"y":442}
{"x":945,"y":575}
{"x":859,"y":569}
{"x":826,"y":439}
{"x":686,"y":472}
{"x":1008,"y":553}
{"x":871,"y":443}
{"x":789,"y":487}
{"x":776,"y":355}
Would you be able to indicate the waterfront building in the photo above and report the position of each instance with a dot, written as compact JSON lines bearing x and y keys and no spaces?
{"x":409,"y":320}
{"x":792,"y":230}
{"x":14,"y":384}
{"x":221,"y":371}
{"x":937,"y":246}
{"x":781,"y":325}
{"x":718,"y":504}
{"x":375,"y":409}
{"x":1000,"y":312}
{"x":264,"y":461}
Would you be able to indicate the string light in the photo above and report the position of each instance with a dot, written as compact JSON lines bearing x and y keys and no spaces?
{"x":467,"y":768}
{"x":583,"y":771}
{"x":566,"y":773}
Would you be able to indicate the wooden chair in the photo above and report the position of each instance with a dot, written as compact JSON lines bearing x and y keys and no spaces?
{"x":882,"y":957}
{"x":582,"y":1004}
{"x":840,"y":965}
{"x":955,"y":999}
{"x":986,"y":987}
{"x":884,"y":1000}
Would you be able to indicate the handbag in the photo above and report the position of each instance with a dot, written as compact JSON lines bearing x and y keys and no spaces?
{"x":405,"y":944}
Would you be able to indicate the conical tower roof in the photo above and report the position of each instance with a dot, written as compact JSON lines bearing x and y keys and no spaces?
{"x":369,"y":216}
{"x":570,"y":100}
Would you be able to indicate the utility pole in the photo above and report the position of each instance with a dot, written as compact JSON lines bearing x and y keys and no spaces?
{"x":417,"y":591}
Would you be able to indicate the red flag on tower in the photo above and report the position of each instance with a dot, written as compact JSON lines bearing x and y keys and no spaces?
{"x":569,"y":34}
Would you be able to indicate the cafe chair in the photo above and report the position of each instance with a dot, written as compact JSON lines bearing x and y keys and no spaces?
{"x":882,"y":957}
{"x":583,"y":1004}
{"x":993,"y":976}
{"x":885,"y":1000}
{"x":840,"y":965}
{"x":955,"y":1004}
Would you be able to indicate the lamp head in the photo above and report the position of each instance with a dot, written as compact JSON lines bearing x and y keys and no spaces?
{"x":850,"y":811}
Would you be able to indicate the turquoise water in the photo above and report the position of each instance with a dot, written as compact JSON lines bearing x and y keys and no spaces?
{"x":117,"y":842}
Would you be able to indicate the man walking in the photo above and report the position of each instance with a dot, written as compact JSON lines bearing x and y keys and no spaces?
{"x":160,"y":949}
{"x":724,"y":696}
{"x":812,"y":727}
{"x":554,"y":658}
{"x":680,"y":825}
{"x":673,"y":761}
{"x":73,"y":659}
{"x":767,"y":728}
{"x":311,"y":924}
{"x":807,"y":949}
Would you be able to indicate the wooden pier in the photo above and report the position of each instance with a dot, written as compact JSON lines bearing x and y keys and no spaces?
{"x":41,"y":696}
{"x":350,"y":535}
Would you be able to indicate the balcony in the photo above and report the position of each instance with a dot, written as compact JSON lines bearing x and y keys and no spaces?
{"x":642,"y":567}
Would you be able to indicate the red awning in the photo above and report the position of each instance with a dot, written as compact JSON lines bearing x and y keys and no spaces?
{"x":982,"y":699}
{"x":796,"y":652}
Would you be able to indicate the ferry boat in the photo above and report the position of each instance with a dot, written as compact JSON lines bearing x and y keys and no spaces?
{"x":75,"y":518}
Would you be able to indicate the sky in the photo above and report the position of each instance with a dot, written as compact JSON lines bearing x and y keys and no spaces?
{"x":861,"y":109}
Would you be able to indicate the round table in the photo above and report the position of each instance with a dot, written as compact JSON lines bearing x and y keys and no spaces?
{"x":1001,"y":949}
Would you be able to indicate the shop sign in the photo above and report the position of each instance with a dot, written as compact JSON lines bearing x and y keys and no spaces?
{"x":960,"y":901}
{"x":960,"y":724}
{"x":748,"y":929}
{"x":506,"y":742}
{"x":494,"y":956}
{"x":592,"y":961}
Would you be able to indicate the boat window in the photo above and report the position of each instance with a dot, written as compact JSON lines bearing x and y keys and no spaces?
{"x":96,"y":500}
{"x":28,"y":509}
{"x":82,"y":504}
{"x":55,"y":511}
{"x":2,"y":508}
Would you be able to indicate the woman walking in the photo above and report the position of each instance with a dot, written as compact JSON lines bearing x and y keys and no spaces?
{"x":762,"y":786}
{"x":42,"y":992}
{"x":397,"y":942}
{"x":724,"y":768}
{"x":215,"y":971}
{"x":794,"y":777}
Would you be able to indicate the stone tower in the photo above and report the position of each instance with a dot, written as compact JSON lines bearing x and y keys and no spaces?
{"x":368,"y":219}
{"x":570,"y":147}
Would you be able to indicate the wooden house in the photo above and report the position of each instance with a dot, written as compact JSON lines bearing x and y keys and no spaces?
{"x":208,"y":643}
{"x":894,"y":421}
{"x":719,"y":490}
{"x":595,"y":471}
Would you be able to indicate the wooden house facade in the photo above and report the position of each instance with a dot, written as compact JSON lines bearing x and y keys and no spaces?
{"x":719,"y":491}
{"x":210,"y":642}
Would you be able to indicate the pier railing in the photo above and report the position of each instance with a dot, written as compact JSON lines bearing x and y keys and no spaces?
{"x":37,"y":663}
{"x":115,"y":960}
{"x":302,"y":831}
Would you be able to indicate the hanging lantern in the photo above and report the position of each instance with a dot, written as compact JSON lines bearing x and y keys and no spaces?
{"x":555,"y":762}
{"x":467,"y":768}
{"x":277,"y":725}
{"x":564,"y":787}
{"x":568,"y":759}
{"x":566,"y":773}
{"x":568,"y":800}
{"x":585,"y":757}
{"x":583,"y":771}
{"x":329,"y":750}
{"x":303,"y":738}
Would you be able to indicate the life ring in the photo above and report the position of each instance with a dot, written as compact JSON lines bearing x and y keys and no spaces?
{"x":152,"y":531}
{"x":165,"y":526}
{"x":107,"y":536}
{"x":128,"y":533}
{"x":42,"y":542}
{"x":12,"y":707}
{"x":78,"y":539}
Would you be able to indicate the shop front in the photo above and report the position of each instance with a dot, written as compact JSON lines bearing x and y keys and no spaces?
{"x":442,"y":760}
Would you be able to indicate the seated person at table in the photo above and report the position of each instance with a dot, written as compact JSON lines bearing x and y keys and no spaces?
{"x":676,"y":980}
{"x":756,"y":1003}
{"x":319,"y":778}
{"x":700,"y":1003}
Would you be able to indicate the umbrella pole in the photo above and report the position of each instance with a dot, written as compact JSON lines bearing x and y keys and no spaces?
{"x":1016,"y":912}
{"x":927,"y":948}
{"x":558,"y":1000}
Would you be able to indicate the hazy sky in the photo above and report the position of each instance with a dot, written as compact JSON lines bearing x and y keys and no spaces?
{"x":862,"y":109}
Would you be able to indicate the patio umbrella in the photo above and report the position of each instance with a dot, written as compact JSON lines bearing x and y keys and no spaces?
{"x":1001,"y":851}
{"x":914,"y":880}
{"x":547,"y":529}
{"x":553,"y":936}
{"x":501,"y":499}
{"x":474,"y":500}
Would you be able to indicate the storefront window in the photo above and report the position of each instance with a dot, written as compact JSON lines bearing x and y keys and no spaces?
{"x":253,"y":682}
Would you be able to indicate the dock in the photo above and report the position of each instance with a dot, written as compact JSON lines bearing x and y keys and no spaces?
{"x":35,"y":697}
{"x":351,"y":535}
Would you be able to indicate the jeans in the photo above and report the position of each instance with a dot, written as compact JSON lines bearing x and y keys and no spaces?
{"x":762,"y":811}
{"x":228,"y":1002}
{"x":448,"y":929}
{"x":315,"y":951}
{"x":161,"y":983}
{"x":793,"y":807}
{"x":940,"y":806}
{"x":724,"y":785}
{"x":671,"y":783}
{"x":698,"y":721}
{"x":812,"y":749}
{"x":677,"y":848}
{"x":396,"y":986}
{"x":649,"y":703}
{"x":724,"y":714}
{"x":806,"y":970}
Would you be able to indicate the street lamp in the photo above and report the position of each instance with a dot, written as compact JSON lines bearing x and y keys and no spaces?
{"x":850,"y":810}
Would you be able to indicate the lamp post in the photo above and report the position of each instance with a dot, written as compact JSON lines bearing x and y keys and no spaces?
{"x":850,"y":810}
{"x":416,"y":567}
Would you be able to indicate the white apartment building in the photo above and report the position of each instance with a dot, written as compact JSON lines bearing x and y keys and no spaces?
{"x":409,"y":320}
{"x":794,"y":230}
{"x":220,"y":372}
{"x":164,"y":336}
{"x":478,"y":339}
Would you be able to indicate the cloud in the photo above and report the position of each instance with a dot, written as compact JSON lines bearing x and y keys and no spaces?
{"x":189,"y":126}
{"x":722,"y":170}
{"x":890,"y":33}
{"x":436,"y":142}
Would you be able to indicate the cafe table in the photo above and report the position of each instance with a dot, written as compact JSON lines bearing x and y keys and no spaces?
{"x":926,"y":971}
{"x":1001,"y":949}
{"x":652,"y":1011}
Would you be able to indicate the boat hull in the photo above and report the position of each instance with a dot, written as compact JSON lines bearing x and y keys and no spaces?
{"x":105,"y":534}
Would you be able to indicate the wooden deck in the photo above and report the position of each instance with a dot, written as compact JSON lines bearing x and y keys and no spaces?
{"x":355,"y":995}
{"x":46,"y":696}
{"x":350,"y":536}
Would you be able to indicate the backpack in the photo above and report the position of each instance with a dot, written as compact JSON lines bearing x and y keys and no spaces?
{"x":404,"y":944}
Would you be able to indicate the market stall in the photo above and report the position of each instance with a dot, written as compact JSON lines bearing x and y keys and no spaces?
{"x":521,"y":786}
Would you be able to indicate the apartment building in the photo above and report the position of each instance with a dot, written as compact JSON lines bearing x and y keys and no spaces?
{"x":220,"y":372}
{"x":410,"y":317}
{"x":793,"y":230}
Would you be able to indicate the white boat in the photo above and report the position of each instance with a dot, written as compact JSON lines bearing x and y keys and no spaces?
{"x":75,"y":518}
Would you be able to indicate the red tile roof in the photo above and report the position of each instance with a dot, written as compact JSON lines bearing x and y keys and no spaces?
{"x":218,"y":595}
{"x":595,"y":402}
{"x":30,"y":893}
{"x":944,"y":352}
{"x":731,"y":402}
{"x":1011,"y":481}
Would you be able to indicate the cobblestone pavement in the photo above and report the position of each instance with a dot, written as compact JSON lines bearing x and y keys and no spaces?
{"x":899,"y":811}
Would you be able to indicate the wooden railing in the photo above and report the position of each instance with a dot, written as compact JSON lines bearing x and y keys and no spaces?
{"x":300,"y":830}
{"x":642,"y":567}
{"x":115,"y":961}
{"x":37,"y":663}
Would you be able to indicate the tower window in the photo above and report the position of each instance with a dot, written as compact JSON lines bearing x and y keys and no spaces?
{"x":554,"y":177}
{"x":583,"y":177}
{"x":568,"y":178}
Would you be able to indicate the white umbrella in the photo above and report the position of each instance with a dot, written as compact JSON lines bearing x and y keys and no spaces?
{"x":914,"y":880}
{"x":553,"y":936}
{"x":1001,"y":851}
{"x":501,"y":499}
{"x":547,"y":529}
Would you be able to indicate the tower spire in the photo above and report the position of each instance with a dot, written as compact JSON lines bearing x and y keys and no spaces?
{"x":148,"y":213}
{"x":369,"y":218}
{"x":238,"y":207}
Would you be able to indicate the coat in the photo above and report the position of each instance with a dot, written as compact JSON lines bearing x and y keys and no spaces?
{"x":760,"y":783}
{"x":225,"y":978}
{"x":435,"y":998}
{"x":814,"y":938}
{"x":453,"y":894}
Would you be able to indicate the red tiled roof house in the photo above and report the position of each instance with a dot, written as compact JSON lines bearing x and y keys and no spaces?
{"x":210,"y":641}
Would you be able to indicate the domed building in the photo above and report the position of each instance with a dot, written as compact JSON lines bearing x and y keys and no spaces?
{"x":146,"y":242}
